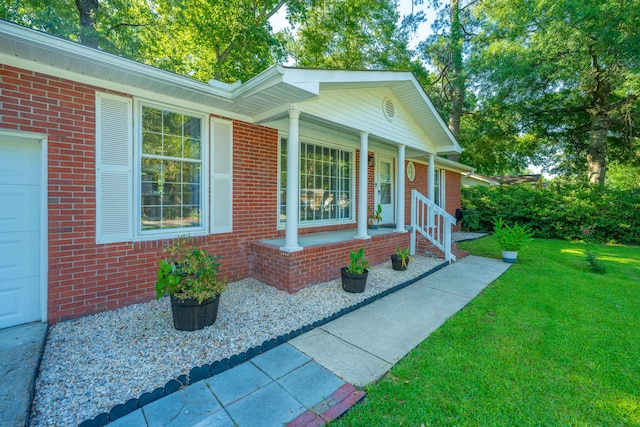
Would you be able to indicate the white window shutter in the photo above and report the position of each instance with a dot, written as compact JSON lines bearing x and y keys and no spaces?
{"x":114,"y":168}
{"x":221,"y":176}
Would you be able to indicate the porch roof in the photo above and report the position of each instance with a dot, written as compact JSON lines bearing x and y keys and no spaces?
{"x":268,"y":94}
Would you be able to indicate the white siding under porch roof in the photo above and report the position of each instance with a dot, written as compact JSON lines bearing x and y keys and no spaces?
{"x":362,"y":109}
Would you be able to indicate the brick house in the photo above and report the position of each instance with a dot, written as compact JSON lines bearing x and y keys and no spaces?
{"x":104,"y":160}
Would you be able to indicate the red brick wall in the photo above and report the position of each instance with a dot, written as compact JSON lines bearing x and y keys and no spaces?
{"x":85,"y":277}
{"x":420,"y":183}
{"x":316,"y":264}
{"x":452,"y":191}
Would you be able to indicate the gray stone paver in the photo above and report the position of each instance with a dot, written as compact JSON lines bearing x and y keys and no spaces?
{"x":297,"y":383}
{"x":280,"y":361}
{"x":237,"y":382}
{"x":193,"y":405}
{"x":271,"y":406}
{"x":134,"y":419}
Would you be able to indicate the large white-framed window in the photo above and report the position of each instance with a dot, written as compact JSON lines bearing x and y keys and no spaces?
{"x":154,"y":166}
{"x":327,"y":184}
{"x":171,"y":177}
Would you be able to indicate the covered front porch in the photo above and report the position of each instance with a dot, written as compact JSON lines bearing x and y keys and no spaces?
{"x":323,"y":254}
{"x":349,"y":142}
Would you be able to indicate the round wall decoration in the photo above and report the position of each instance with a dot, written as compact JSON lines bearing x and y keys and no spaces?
{"x":411,"y":171}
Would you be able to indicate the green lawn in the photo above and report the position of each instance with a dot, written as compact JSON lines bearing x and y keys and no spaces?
{"x":548,"y":344}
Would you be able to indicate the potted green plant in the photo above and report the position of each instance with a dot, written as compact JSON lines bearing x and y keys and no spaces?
{"x":510,"y":239}
{"x":354,"y":276}
{"x":375,"y":216}
{"x":189,"y":274}
{"x":400,"y":260}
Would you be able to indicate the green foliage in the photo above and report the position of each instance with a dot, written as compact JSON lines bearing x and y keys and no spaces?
{"x":543,"y":345}
{"x":624,"y":176}
{"x":594,"y":263}
{"x":559,"y":211}
{"x":188,"y":272}
{"x":562,"y":76}
{"x":375,"y":215}
{"x":403,"y":255}
{"x":591,"y":254}
{"x":224,"y":39}
{"x":511,"y":238}
{"x":347,"y":34}
{"x":358,"y":263}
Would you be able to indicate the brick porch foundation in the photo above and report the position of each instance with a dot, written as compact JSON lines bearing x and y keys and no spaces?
{"x":293,"y":271}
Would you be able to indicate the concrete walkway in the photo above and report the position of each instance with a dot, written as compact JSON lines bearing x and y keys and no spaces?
{"x":20,"y":353}
{"x":311,"y":379}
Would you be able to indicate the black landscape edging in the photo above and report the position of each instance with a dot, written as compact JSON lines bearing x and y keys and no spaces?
{"x":209,"y":370}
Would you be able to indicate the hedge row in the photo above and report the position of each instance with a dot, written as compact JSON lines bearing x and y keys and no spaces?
{"x":558,"y":212}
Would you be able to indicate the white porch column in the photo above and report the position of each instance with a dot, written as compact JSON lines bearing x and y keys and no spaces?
{"x":431,"y":176}
{"x":400,"y":197}
{"x":293,"y":183}
{"x":362,"y":186}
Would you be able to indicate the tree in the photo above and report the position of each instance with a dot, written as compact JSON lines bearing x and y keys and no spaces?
{"x":88,"y":10}
{"x":570,"y":69}
{"x":116,"y":26}
{"x":224,"y":39}
{"x":348,"y":34}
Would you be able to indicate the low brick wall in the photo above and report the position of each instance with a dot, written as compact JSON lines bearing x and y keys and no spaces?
{"x":293,"y":271}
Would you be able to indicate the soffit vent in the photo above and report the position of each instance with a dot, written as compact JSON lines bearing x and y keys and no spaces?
{"x":389,"y":109}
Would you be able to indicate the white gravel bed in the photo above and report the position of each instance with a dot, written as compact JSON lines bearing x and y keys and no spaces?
{"x":95,"y":362}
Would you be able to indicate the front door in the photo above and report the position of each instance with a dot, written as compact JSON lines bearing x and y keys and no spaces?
{"x":385,"y":188}
{"x":19,"y":231}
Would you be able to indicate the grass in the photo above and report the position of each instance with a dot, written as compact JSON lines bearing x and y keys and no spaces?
{"x":547,"y":344}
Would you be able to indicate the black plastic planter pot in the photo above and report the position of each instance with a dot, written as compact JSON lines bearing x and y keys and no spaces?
{"x":190,"y":315}
{"x":396,"y":263}
{"x":354,"y":283}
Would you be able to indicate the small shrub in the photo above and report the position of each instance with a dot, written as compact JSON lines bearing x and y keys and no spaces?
{"x":595,"y":265}
{"x":358,"y":263}
{"x":591,"y":255}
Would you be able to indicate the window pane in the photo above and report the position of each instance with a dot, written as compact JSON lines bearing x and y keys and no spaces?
{"x":325,"y":183}
{"x":172,"y":146}
{"x":192,"y":148}
{"x":151,"y":120}
{"x":191,"y":127}
{"x":151,"y":143}
{"x":172,"y":123}
{"x":171,"y":181}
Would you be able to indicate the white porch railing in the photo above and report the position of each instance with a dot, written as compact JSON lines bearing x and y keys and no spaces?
{"x":433,"y":222}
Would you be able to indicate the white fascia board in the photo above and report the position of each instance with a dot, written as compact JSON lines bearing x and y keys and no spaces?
{"x":269,"y":77}
{"x":452,"y":166}
{"x":208,"y":108}
{"x":318,"y":75}
{"x":57,"y":46}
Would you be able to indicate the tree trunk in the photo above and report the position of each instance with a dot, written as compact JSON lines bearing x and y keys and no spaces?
{"x":87,"y":9}
{"x":457,"y":73}
{"x":596,"y":153}
{"x":597,"y":150}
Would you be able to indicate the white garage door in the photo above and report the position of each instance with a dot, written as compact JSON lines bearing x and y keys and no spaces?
{"x":19,"y":231}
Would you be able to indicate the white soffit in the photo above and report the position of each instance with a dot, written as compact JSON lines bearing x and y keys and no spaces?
{"x":272,"y":90}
